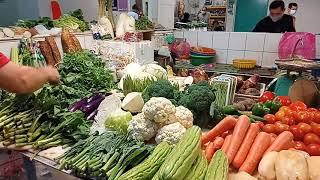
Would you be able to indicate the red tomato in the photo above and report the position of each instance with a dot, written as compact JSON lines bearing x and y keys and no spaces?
{"x":311,"y":138}
{"x":284,"y":108}
{"x":270,"y":118}
{"x":284,"y":100}
{"x":287,"y":111}
{"x":312,"y":110}
{"x":316,"y":117}
{"x":306,"y":128}
{"x":298,"y":145}
{"x":315,"y":128}
{"x":311,"y":116}
{"x":266,"y":96}
{"x":260,"y":124}
{"x":297,"y":132}
{"x":288,"y":120}
{"x":313,"y":149}
{"x":301,"y":116}
{"x":269,"y":128}
{"x":298,"y":105}
{"x":280,"y":115}
{"x":281,"y":127}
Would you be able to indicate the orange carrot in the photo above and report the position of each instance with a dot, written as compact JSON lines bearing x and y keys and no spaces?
{"x":238,"y":135}
{"x":282,"y":142}
{"x":226,"y":124}
{"x":246,"y":145}
{"x":218,"y":143}
{"x":209,"y":151}
{"x":259,"y":146}
{"x":226,"y":143}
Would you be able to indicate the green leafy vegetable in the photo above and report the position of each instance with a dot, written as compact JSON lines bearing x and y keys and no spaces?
{"x":198,"y":98}
{"x":143,"y":23}
{"x":70,"y":22}
{"x":161,"y":88}
{"x":119,"y":121}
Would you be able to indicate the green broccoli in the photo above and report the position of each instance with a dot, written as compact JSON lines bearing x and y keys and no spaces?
{"x":198,"y":99}
{"x":161,"y":88}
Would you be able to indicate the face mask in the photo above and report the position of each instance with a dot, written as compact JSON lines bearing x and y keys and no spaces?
{"x":293,"y":12}
{"x":275,"y":18}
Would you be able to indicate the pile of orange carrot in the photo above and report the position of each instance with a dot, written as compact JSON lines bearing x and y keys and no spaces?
{"x":243,"y":142}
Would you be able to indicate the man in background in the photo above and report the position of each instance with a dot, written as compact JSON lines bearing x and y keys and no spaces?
{"x":277,"y":21}
{"x":185,"y":18}
{"x":203,"y":15}
{"x":134,"y":12}
{"x":292,"y":10}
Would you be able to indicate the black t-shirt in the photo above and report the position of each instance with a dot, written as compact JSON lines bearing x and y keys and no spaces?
{"x":285,"y":24}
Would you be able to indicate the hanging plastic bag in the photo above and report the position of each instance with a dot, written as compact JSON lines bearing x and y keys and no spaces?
{"x":300,"y":44}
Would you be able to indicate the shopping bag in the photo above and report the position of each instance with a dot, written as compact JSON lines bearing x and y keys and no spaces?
{"x":297,"y":44}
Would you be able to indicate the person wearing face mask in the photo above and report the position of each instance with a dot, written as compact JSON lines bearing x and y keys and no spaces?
{"x":203,"y":15}
{"x":277,"y":21}
{"x":292,"y":10}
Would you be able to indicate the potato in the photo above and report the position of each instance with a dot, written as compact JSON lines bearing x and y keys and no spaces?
{"x":266,"y":166}
{"x":240,"y":176}
{"x":314,"y":164}
{"x":291,"y":165}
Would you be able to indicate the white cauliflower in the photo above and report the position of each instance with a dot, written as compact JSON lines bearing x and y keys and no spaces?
{"x":171,"y":133}
{"x":141,"y":128}
{"x":184,"y":116}
{"x":159,"y":109}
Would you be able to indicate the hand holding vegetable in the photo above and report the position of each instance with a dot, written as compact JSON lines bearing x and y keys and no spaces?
{"x":52,"y":74}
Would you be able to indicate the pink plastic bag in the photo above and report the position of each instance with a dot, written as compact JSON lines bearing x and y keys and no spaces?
{"x":297,"y":44}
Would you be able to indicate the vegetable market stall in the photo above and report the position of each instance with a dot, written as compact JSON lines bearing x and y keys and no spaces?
{"x":157,"y":126}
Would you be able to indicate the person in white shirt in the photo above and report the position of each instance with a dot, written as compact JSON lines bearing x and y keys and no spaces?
{"x":203,"y":15}
{"x":134,"y":12}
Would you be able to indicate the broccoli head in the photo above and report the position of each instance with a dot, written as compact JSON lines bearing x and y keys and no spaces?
{"x":161,"y":88}
{"x":198,"y":99}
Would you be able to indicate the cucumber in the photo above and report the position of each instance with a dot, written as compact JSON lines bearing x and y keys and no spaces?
{"x":147,"y":169}
{"x":218,"y":167}
{"x":199,"y":168}
{"x":180,"y":160}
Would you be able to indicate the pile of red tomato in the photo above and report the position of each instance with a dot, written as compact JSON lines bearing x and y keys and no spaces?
{"x":303,"y":122}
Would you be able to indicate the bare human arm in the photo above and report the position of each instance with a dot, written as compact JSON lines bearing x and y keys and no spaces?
{"x":23,"y":80}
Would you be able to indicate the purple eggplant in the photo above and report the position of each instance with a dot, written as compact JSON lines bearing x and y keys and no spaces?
{"x":89,"y":108}
{"x":78,"y":105}
{"x":94,"y":97}
{"x":92,"y":115}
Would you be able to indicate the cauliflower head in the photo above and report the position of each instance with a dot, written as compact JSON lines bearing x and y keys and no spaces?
{"x":184,"y":116}
{"x":159,"y":109}
{"x":171,"y":133}
{"x":141,"y":128}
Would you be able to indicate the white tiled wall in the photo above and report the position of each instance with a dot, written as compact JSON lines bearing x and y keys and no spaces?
{"x":236,"y":45}
{"x":318,"y":46}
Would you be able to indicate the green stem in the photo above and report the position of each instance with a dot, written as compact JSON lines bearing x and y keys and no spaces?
{"x":106,"y":167}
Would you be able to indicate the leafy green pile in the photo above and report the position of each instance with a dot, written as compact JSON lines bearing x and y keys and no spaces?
{"x":44,"y":117}
{"x":143,"y":23}
{"x":70,"y":22}
{"x":82,"y":74}
{"x":45,"y":21}
{"x":72,"y":19}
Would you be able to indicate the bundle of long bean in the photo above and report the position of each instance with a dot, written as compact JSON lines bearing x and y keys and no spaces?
{"x":107,"y":155}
